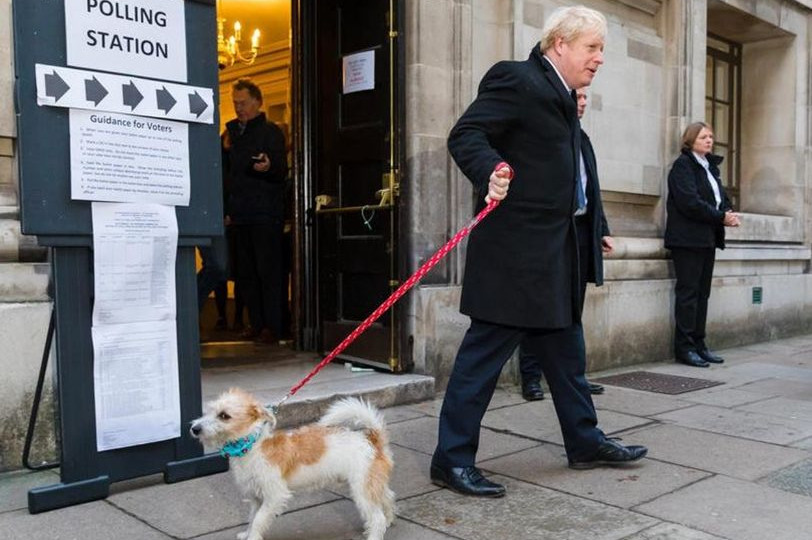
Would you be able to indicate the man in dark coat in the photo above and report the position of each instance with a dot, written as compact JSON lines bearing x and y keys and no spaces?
{"x":600,"y":242}
{"x":522,"y":273}
{"x":256,"y":165}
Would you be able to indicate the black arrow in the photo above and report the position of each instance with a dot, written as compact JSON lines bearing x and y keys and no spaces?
{"x":55,"y":87}
{"x":165,"y":100}
{"x":132,"y":97}
{"x":197,"y":104}
{"x":94,"y":91}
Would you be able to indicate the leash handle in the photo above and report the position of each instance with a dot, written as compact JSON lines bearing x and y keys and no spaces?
{"x":394,"y":297}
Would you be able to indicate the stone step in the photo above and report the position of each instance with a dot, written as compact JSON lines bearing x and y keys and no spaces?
{"x":24,"y":282}
{"x":282,"y":368}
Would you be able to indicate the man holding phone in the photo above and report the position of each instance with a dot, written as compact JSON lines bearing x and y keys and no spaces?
{"x":255,"y":163}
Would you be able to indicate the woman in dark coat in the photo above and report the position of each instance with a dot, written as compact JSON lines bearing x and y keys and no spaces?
{"x":698,"y":212}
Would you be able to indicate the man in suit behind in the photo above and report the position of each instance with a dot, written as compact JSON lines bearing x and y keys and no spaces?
{"x":599,"y":242}
{"x":522,"y":274}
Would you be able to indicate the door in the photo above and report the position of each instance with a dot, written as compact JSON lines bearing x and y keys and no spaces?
{"x":356,"y":174}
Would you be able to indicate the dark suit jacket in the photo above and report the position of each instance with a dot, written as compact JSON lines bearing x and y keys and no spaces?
{"x":521,"y":261}
{"x":597,"y":219}
{"x":693,"y":220}
{"x":255,"y":197}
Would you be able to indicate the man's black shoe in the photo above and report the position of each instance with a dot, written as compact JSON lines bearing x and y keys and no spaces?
{"x":467,"y":481}
{"x":611,"y":452}
{"x":692,"y":359}
{"x":532,"y":391}
{"x":595,"y":388}
{"x":708,"y":356}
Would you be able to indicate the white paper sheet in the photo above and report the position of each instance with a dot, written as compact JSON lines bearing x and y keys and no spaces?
{"x":135,"y":247}
{"x":127,"y":158}
{"x":359,"y":72}
{"x":135,"y":372}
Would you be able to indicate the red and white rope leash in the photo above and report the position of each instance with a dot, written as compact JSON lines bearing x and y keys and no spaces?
{"x":389,"y":302}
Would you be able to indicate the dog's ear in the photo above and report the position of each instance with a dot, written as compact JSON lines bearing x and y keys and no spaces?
{"x":260,"y":412}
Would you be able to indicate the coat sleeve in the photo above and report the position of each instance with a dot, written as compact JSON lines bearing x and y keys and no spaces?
{"x":273,"y":144}
{"x":682,"y":186}
{"x":494,"y":111}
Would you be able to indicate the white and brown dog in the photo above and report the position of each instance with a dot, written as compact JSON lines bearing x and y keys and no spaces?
{"x":349,"y":443}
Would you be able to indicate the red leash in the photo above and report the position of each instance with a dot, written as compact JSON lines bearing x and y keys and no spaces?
{"x":394,"y":297}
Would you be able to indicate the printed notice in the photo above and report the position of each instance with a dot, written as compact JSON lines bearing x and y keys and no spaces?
{"x":136,"y":386}
{"x":359,"y":72}
{"x":134,"y":248}
{"x":126,"y":158}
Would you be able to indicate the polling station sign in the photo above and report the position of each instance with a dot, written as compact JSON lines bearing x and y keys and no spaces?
{"x":139,"y":37}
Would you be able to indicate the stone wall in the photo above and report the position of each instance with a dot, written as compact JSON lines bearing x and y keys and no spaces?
{"x":651,"y":86}
{"x":24,"y":303}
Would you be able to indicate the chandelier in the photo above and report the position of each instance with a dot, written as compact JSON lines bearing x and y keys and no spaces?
{"x":228,"y":50}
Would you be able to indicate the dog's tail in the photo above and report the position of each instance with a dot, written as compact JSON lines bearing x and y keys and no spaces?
{"x":354,"y":413}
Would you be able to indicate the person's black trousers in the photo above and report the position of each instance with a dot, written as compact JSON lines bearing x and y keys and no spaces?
{"x":694,"y":270}
{"x":260,"y":261}
{"x":529,"y":366}
{"x":483,"y":352}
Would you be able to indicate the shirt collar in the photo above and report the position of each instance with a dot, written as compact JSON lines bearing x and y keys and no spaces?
{"x":701,"y":159}
{"x":555,"y":68}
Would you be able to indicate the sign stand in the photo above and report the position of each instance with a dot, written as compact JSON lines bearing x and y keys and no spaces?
{"x":64,"y":224}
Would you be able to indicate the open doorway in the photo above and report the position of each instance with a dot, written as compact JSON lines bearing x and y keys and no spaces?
{"x":254,"y":42}
{"x":345,"y":154}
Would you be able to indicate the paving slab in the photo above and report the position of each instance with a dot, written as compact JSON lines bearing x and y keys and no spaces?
{"x":636,"y":402}
{"x":735,"y":509}
{"x":198,"y":506}
{"x":775,"y":387}
{"x":337,"y":520}
{"x":537,"y":420}
{"x":624,"y":487}
{"x":805,"y":444}
{"x":90,"y":521}
{"x":421,"y":434}
{"x":726,"y":397}
{"x":794,"y":479}
{"x":672,"y":531}
{"x":400,"y":413}
{"x":526,"y":512}
{"x":749,"y":425}
{"x":716,"y":453}
{"x":15,"y":485}
{"x":503,"y":396}
{"x":782,"y":407}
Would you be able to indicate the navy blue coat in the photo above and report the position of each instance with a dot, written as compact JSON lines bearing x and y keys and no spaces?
{"x":521,"y":266}
{"x":693,"y":221}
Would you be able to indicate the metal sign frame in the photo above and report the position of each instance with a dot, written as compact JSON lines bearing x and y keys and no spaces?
{"x":64,"y":224}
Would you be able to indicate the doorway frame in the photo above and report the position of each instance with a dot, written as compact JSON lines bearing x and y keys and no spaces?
{"x":304,"y":287}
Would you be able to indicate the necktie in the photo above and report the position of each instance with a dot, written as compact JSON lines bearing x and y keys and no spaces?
{"x":580,"y":196}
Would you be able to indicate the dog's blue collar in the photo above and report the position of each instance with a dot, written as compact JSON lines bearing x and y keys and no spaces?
{"x":240,"y":447}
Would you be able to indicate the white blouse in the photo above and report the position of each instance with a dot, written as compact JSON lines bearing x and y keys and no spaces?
{"x":711,"y":180}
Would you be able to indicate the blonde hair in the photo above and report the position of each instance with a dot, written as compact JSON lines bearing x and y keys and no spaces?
{"x":691,"y":133}
{"x":568,"y":23}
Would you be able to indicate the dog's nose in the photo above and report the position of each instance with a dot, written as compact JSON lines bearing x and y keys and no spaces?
{"x":195,"y":430}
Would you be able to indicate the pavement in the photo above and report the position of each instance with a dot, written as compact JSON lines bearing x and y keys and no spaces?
{"x":732,"y":461}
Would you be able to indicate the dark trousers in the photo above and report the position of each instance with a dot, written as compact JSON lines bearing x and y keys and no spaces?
{"x":260,"y":274}
{"x":483,"y":352}
{"x":213,"y":274}
{"x":694,"y":270}
{"x":529,"y":365}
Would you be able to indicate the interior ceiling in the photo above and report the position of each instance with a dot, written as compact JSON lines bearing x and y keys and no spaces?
{"x":272,"y":17}
{"x":735,"y":25}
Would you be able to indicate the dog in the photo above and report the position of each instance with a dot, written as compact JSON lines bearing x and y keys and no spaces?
{"x":349,"y":443}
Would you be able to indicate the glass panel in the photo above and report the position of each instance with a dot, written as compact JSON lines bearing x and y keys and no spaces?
{"x":722,"y":90}
{"x":708,"y":112}
{"x":721,"y":125}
